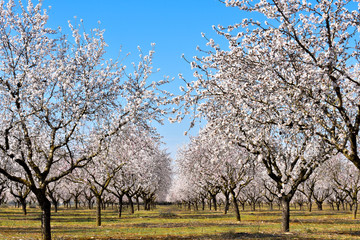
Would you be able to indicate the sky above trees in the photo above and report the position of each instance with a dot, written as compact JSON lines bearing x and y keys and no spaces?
{"x":175,"y":27}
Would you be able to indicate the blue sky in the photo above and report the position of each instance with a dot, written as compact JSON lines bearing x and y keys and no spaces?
{"x":174,"y":25}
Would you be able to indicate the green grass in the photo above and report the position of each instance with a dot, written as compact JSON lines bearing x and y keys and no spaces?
{"x":169,"y":222}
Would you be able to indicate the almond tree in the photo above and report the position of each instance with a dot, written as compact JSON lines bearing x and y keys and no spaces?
{"x":185,"y":192}
{"x":88,"y":198}
{"x":257,"y":117}
{"x":311,"y":49}
{"x":195,"y":163}
{"x":268,"y":195}
{"x":299,"y":199}
{"x":20,"y":192}
{"x":98,"y":174}
{"x":135,"y":148}
{"x":60,"y":99}
{"x":318,"y":187}
{"x":346,"y":179}
{"x":118,"y":188}
{"x":307,"y":189}
{"x":217,"y":166}
{"x":264,"y":91}
{"x":253,"y":193}
{"x":320,"y":195}
{"x":146,"y":174}
{"x":155,"y":177}
{"x":54,"y":191}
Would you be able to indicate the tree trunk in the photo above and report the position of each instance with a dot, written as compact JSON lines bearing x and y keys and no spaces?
{"x":203,"y":204}
{"x":243,"y":206}
{"x":310,"y":206}
{"x":355,"y":209}
{"x":23,"y":204}
{"x":213,"y":197}
{"x":146,"y":203}
{"x":253,"y":206}
{"x":138,"y":203}
{"x":89,"y":200}
{"x":98,"y":211}
{"x":319,"y":205}
{"x":285,"y":204}
{"x":45,"y":206}
{"x":271,"y":206}
{"x":76,"y":202}
{"x":227,"y":203}
{"x":301,"y":206}
{"x":236,"y":207}
{"x":120,"y":205}
{"x":132,"y":210}
{"x":55,"y":203}
{"x":338,"y":206}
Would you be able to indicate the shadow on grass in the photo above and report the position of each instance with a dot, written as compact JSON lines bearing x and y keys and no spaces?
{"x":352,"y":233}
{"x":19,"y":230}
{"x":74,"y":219}
{"x":309,"y":221}
{"x":226,"y":236}
{"x":180,"y":225}
{"x":297,"y":213}
{"x":327,"y":221}
{"x":201,"y":216}
{"x":54,"y":229}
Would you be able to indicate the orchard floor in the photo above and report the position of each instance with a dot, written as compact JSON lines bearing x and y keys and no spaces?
{"x":170,"y":222}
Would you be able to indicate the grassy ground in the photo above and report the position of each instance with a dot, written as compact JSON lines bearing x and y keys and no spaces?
{"x":169,"y":222}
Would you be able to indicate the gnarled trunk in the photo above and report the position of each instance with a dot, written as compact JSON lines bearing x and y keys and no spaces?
{"x":55,"y":203}
{"x":132,"y":210}
{"x":236,"y":206}
{"x":76,"y":200}
{"x":137,"y":203}
{"x":319,"y":205}
{"x":213,"y":197}
{"x":355,"y":209}
{"x":120,"y":199}
{"x":45,"y":207}
{"x":98,"y":211}
{"x":23,"y":204}
{"x":227,"y":203}
{"x":310,"y":206}
{"x":285,"y":204}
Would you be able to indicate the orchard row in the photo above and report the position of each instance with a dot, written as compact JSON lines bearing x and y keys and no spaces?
{"x":213,"y":174}
{"x":280,"y":99}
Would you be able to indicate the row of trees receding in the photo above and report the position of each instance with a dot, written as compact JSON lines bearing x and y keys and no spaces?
{"x":67,"y":112}
{"x":283,"y":97}
{"x":140,"y":178}
{"x":285,"y":90}
{"x":213,"y":173}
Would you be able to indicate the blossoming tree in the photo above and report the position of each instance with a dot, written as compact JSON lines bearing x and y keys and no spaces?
{"x":312,"y":50}
{"x":286,"y":89}
{"x":214,"y":166}
{"x":60,"y":99}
